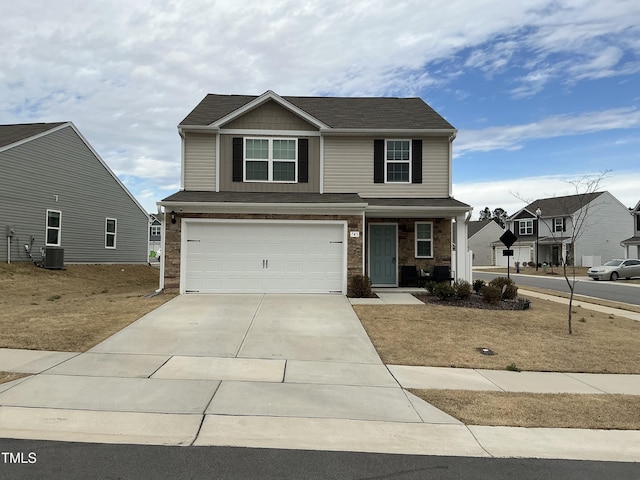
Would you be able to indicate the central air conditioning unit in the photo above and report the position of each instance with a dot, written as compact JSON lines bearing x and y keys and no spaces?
{"x":53,"y":258}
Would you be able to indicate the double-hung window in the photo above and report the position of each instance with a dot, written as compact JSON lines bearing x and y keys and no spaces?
{"x":54,"y":226}
{"x":424,"y":239}
{"x":526,"y":227}
{"x":156,"y":230}
{"x":397,"y":161}
{"x":558,"y":224}
{"x":270,"y":160}
{"x":110,"y":232}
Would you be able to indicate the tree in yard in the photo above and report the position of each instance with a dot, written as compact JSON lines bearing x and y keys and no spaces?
{"x":499,"y":215}
{"x":577,"y":207}
{"x":485,"y":214}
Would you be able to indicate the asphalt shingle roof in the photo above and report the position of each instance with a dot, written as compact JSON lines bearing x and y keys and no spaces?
{"x":561,"y":206}
{"x":14,"y":133}
{"x":336,"y":112}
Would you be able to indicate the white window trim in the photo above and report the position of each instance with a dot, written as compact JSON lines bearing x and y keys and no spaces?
{"x":269,"y":160}
{"x":156,"y":230}
{"x":58,"y":228}
{"x":387,"y":162}
{"x":556,"y":227}
{"x":107,"y":233}
{"x":523,"y":230}
{"x":415,"y":234}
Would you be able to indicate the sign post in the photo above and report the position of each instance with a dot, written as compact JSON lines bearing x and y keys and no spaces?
{"x":508,"y":238}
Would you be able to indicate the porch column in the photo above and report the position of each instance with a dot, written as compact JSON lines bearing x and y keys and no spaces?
{"x":462,"y":266}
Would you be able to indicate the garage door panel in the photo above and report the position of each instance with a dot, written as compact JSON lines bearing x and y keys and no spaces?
{"x":264,"y":257}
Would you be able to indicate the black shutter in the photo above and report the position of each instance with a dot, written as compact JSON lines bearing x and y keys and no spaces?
{"x":303,"y":160}
{"x":416,"y":161}
{"x":564,"y":224}
{"x":378,"y":161}
{"x":237,"y":159}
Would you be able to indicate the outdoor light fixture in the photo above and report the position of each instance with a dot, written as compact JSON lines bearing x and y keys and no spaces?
{"x":538,"y":213}
{"x":173,"y":216}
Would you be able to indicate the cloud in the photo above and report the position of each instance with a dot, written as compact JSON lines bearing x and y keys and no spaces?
{"x":513,"y":137}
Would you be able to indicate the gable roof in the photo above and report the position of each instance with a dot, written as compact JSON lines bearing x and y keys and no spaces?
{"x":477,"y":225}
{"x":10,"y":134}
{"x":375,"y":113}
{"x":558,"y":206}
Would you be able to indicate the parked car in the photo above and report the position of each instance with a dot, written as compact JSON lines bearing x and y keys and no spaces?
{"x":614,"y":269}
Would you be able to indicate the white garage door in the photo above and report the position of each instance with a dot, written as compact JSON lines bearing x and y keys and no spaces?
{"x":264,"y":257}
{"x":520,"y":254}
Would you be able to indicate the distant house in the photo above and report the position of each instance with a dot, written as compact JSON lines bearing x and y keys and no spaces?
{"x":482,"y":234}
{"x":632,"y":245}
{"x":303,"y":194}
{"x":549,"y":235}
{"x":155,"y":235}
{"x":57,"y":194}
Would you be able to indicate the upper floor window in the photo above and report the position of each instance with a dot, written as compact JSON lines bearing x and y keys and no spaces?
{"x":526,"y":227}
{"x":270,"y":160}
{"x":54,"y":227}
{"x":156,"y":230}
{"x":558,"y":224}
{"x":398,"y":161}
{"x":110,"y":231}
{"x":424,"y":239}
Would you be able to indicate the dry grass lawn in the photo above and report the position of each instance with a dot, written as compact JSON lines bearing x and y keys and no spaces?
{"x":534,"y":339}
{"x":619,"y":412}
{"x":74,"y":309}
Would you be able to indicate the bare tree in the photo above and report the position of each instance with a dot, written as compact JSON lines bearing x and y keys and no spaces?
{"x":578,"y":208}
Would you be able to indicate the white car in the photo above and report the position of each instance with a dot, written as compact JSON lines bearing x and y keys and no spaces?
{"x":614,"y":269}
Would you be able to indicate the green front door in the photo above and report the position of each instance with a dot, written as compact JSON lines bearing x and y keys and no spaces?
{"x":382,"y":254}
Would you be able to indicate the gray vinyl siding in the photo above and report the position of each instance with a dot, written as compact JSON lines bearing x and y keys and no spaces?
{"x":200,"y":161}
{"x":606,"y":226}
{"x":61,"y":164}
{"x":226,"y":167}
{"x":270,"y":116}
{"x":481,"y":244}
{"x":348,"y":168}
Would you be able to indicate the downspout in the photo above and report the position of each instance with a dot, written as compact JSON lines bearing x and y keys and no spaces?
{"x":162,"y":236}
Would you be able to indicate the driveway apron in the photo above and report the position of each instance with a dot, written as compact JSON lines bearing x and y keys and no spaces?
{"x":209,"y":360}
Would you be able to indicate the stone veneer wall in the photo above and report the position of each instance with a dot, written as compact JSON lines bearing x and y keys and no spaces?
{"x":173,"y":241}
{"x":406,"y":241}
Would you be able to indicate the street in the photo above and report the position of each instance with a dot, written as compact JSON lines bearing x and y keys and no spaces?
{"x":60,"y":460}
{"x":613,"y":291}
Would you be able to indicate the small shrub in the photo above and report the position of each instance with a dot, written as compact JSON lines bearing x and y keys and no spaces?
{"x":477,"y":285}
{"x":429,"y":286}
{"x":491,"y":294}
{"x":463,"y":289}
{"x":507,"y":288}
{"x":512,"y":367}
{"x":531,"y":264}
{"x":444,"y":291}
{"x":360,"y":286}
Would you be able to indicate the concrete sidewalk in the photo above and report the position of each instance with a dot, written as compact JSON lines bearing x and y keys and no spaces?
{"x":273,"y":371}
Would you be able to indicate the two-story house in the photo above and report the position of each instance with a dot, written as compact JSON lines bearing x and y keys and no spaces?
{"x":299,"y":194}
{"x":632,"y":245}
{"x":575,"y":229}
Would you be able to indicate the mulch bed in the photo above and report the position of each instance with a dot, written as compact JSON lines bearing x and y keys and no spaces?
{"x":475,"y":301}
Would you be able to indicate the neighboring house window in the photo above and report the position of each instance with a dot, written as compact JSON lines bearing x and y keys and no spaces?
{"x":398,"y":161}
{"x":558,"y":224}
{"x":424,"y":239}
{"x":156,"y":230}
{"x":270,"y":160}
{"x":110,"y":231}
{"x":526,"y":227}
{"x":54,"y":225}
{"x":638,"y":222}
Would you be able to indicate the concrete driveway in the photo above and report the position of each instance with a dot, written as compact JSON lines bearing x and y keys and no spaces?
{"x":292,"y":371}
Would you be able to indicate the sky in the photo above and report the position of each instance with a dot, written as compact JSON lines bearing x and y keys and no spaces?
{"x":543,"y":93}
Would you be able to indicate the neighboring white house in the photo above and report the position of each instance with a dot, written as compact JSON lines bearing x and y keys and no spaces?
{"x":545,"y":230}
{"x":632,"y":245}
{"x":482,"y":234}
